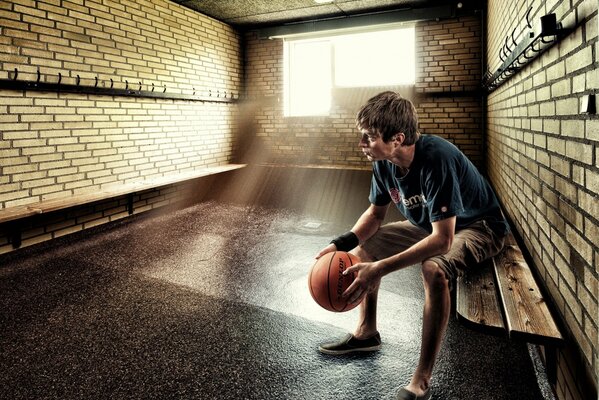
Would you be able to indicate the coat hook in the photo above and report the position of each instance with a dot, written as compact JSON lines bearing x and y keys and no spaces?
{"x":528,"y":18}
{"x":513,"y":39}
{"x":547,"y":41}
{"x":525,"y":56}
{"x":507,"y":46}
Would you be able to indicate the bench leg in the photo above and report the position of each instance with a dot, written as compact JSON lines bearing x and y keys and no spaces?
{"x":14,"y":234}
{"x":130,"y":203}
{"x":551,"y":363}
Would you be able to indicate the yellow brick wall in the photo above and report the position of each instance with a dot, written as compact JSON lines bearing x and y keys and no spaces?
{"x":543,"y":162}
{"x":448,"y":61}
{"x":55,"y":145}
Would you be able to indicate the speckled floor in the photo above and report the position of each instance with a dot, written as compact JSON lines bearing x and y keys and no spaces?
{"x":211,"y":302}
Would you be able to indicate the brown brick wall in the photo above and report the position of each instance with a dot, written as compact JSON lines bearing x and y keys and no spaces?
{"x":449,"y":55}
{"x":448,"y":61}
{"x":543,"y":162}
{"x":55,"y":145}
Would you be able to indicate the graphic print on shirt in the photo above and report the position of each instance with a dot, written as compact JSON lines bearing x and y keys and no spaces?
{"x":410,"y":203}
{"x":395,"y":195}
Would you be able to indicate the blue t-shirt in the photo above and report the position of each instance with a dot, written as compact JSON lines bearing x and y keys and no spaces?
{"x":441,"y":183}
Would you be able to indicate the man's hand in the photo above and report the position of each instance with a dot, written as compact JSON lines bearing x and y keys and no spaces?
{"x":367,"y":280}
{"x":331,"y":247}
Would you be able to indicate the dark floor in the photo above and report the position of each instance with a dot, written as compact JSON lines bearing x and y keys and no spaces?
{"x":211,"y":302}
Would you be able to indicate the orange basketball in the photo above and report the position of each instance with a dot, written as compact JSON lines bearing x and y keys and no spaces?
{"x":327,"y":282}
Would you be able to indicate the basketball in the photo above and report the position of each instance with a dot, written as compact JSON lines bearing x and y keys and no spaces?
{"x":327,"y":282}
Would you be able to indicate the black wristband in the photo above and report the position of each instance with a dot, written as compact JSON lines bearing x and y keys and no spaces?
{"x":346,"y":242}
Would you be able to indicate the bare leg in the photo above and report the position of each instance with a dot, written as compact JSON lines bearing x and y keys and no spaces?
{"x":367,"y":322}
{"x":437,"y":305}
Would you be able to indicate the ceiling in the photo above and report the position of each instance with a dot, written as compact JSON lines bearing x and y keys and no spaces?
{"x":264,"y":13}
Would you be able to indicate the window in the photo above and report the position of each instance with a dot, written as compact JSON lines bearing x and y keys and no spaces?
{"x":314,"y":66}
{"x":309,"y":78}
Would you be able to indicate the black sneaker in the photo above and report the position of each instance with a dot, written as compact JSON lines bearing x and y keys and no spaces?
{"x":349,"y":344}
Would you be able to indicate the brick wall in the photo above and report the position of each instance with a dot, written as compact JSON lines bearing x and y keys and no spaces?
{"x":448,"y":72}
{"x":543,"y":162}
{"x":54,"y":145}
{"x":449,"y":55}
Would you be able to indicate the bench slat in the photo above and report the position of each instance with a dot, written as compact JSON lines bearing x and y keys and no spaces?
{"x":527,"y":315}
{"x":477,"y":305}
{"x":15,"y":213}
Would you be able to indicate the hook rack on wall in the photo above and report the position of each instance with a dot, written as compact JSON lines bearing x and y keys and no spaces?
{"x":130,"y":89}
{"x":530,"y":47}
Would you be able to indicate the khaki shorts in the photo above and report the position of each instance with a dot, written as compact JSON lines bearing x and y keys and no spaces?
{"x":470,"y":246}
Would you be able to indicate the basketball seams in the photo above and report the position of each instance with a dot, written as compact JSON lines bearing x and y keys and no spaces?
{"x":351,"y":263}
{"x":329,"y":282}
{"x":310,"y":281}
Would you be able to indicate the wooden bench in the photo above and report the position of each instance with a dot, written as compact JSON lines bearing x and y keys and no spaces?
{"x":12,"y":214}
{"x":502,"y":298}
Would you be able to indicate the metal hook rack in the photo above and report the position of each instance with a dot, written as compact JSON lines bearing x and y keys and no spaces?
{"x":530,"y":47}
{"x":109,"y":89}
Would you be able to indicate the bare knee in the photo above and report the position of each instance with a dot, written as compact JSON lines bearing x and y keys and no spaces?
{"x":433,"y":276}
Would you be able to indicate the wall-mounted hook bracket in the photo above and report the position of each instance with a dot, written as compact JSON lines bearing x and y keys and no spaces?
{"x":96,"y":84}
{"x":139,"y":90}
{"x":78,"y":80}
{"x":14,"y":78}
{"x":529,"y":47}
{"x":164,"y":91}
{"x":111,"y":83}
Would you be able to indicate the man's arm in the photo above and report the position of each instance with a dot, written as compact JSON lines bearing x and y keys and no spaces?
{"x":437,"y":243}
{"x":366,"y":226}
{"x":369,"y":222}
{"x":370,"y":273}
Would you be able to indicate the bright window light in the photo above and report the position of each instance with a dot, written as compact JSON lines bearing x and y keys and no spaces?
{"x":314,"y":66}
{"x":309,"y":78}
{"x":375,"y":59}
